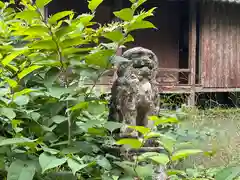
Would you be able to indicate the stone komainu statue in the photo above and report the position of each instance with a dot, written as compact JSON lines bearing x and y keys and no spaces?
{"x":134,"y":92}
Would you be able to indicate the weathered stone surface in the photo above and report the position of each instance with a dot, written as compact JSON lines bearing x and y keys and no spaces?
{"x":135,"y":95}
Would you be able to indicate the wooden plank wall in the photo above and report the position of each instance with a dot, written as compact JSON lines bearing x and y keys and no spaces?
{"x":164,"y":41}
{"x":220,"y":45}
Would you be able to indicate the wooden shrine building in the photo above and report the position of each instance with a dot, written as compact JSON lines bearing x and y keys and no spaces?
{"x":197,"y":41}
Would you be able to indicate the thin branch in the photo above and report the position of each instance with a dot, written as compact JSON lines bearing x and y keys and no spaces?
{"x":65,"y":81}
{"x":59,"y":51}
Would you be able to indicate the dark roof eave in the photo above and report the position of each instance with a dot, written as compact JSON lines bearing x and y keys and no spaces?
{"x":229,"y":1}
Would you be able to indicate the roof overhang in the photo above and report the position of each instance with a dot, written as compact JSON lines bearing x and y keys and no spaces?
{"x":229,"y":1}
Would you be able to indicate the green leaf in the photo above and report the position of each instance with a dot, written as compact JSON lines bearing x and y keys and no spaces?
{"x":168,"y":143}
{"x":7,"y":112}
{"x":57,"y":92}
{"x":28,"y":70}
{"x":128,"y":168}
{"x":184,"y":153}
{"x":100,"y":58}
{"x":63,"y":31}
{"x":96,"y":108}
{"x":152,"y":135}
{"x":111,"y":125}
{"x":134,"y":143}
{"x":12,"y":83}
{"x":72,"y":42}
{"x":93,"y":4}
{"x":35,"y":116}
{"x":143,"y":130}
{"x":1,"y":4}
{"x":129,"y":38}
{"x":75,"y":166}
{"x":27,"y":14}
{"x":144,"y":171}
{"x":15,"y":123}
{"x":71,"y":150}
{"x":53,"y":19}
{"x":124,"y":14}
{"x":25,"y":91}
{"x":229,"y":173}
{"x":145,"y":14}
{"x":36,"y":30}
{"x":138,"y":3}
{"x":103,"y":162}
{"x":97,"y":131}
{"x":12,"y":56}
{"x":146,"y":155}
{"x":22,"y":100}
{"x":50,"y":150}
{"x":51,"y":76}
{"x":48,"y":129}
{"x":210,"y":153}
{"x":4,"y":91}
{"x":79,"y":106}
{"x":59,"y":119}
{"x":160,"y":159}
{"x":176,"y":172}
{"x":163,"y":120}
{"x":85,"y":19}
{"x":43,"y":44}
{"x":49,"y":161}
{"x":73,"y":50}
{"x":42,"y":3}
{"x":12,"y":141}
{"x":20,"y":170}
{"x":12,"y":67}
{"x":140,"y":25}
{"x":114,"y":36}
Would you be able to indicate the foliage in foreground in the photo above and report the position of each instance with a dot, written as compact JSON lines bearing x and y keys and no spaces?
{"x":52,"y":126}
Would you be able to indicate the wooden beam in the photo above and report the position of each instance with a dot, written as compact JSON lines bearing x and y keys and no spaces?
{"x":213,"y":90}
{"x":174,"y":89}
{"x":168,"y":89}
{"x":192,"y":49}
{"x":111,"y":71}
{"x":174,"y":70}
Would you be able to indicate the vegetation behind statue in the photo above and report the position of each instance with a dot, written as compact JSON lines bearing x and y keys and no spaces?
{"x":52,"y":126}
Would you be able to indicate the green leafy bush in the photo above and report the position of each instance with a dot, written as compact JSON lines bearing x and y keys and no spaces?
{"x":53,"y":126}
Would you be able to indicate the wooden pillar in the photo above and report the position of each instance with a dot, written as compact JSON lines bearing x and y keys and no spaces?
{"x":192,"y":50}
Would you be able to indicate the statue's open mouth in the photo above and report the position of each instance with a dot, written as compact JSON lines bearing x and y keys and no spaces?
{"x":139,"y":63}
{"x":139,"y":66}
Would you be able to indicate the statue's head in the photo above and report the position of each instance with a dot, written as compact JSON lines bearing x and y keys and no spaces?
{"x":141,"y":58}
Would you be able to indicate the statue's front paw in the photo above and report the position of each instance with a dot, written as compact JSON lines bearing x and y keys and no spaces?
{"x":134,"y":134}
{"x":128,"y":133}
{"x":151,"y":143}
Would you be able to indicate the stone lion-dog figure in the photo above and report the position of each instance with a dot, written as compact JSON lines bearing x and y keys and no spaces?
{"x":134,"y":92}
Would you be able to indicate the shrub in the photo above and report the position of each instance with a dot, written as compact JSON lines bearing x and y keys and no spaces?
{"x":52,"y":125}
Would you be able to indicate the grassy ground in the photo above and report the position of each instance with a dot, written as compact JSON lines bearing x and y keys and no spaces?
{"x":226,"y":124}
